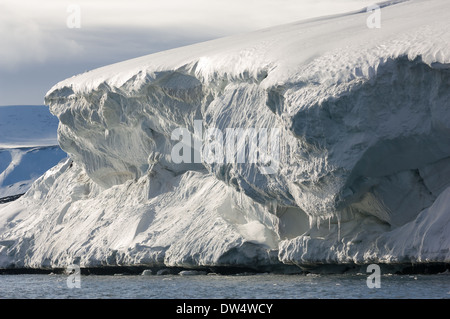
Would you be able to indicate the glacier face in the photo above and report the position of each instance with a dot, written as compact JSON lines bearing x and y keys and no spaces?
{"x":363,"y":174}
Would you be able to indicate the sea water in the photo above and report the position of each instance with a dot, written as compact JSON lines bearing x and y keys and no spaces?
{"x":259,"y":286}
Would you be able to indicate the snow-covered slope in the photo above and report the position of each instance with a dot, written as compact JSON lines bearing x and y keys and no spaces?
{"x":362,"y":174}
{"x":20,"y":167}
{"x":28,"y":146}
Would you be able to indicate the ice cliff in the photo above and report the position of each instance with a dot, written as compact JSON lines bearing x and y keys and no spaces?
{"x":362,"y":176}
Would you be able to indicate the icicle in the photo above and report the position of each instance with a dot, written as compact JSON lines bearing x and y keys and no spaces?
{"x":311,"y":221}
{"x":318,"y":223}
{"x":339,"y":226}
{"x":329,"y":223}
{"x":273,"y":206}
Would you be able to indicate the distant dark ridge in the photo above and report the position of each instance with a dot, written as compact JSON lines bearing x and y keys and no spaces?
{"x":8,"y":199}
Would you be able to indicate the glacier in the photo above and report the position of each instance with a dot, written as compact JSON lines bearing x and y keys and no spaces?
{"x":28,"y":146}
{"x":363,"y":174}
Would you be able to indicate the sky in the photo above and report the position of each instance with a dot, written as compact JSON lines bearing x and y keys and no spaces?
{"x":46,"y":41}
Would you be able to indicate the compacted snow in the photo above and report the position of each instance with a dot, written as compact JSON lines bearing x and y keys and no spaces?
{"x":360,"y":170}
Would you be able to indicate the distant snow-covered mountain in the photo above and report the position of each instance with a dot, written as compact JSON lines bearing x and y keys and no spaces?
{"x":28,"y":146}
